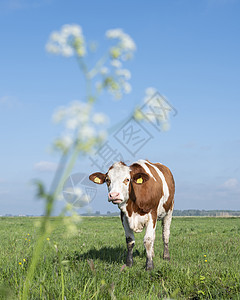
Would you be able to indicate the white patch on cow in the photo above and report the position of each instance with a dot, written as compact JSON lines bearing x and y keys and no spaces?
{"x":166,"y":227}
{"x":136,"y":222}
{"x":117,"y":175}
{"x":142,"y":163}
{"x":149,"y":237}
{"x":128,"y":230}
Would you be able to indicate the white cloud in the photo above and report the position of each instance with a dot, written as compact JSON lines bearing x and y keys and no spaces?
{"x":208,"y":195}
{"x":45,"y":166}
{"x":11,"y":5}
{"x":231,"y":183}
{"x":9,"y":102}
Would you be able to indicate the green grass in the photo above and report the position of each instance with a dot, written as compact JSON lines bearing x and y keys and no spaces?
{"x":89,"y":264}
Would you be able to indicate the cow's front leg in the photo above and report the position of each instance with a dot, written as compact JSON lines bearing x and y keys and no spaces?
{"x":130,"y":240}
{"x":149,"y":239}
{"x":166,"y":223}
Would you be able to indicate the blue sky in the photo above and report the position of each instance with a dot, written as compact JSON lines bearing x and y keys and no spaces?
{"x":188,"y":50}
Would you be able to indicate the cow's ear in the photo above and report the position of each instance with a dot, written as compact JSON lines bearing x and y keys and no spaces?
{"x":98,"y":177}
{"x":140,"y":178}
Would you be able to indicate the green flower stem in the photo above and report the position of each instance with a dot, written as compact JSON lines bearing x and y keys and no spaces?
{"x":36,"y":254}
{"x":92,"y":73}
{"x":46,"y":229}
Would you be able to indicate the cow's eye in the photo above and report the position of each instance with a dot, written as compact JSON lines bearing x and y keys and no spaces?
{"x":107,"y":180}
{"x":127,"y":179}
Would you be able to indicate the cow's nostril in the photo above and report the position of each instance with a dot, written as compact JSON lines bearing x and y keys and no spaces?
{"x":113,"y":195}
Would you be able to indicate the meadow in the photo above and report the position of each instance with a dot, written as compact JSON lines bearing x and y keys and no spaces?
{"x":205,"y":261}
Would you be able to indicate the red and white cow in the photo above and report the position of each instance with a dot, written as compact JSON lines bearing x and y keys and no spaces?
{"x":144,"y":192}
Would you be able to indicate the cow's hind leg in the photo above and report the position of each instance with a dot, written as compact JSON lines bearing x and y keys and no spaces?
{"x":130,"y":240}
{"x":166,"y":223}
{"x":149,"y":239}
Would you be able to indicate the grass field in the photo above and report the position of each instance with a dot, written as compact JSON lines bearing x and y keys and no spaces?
{"x":205,"y":261}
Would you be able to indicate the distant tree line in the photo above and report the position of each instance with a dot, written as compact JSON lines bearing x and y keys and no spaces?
{"x":183,"y":213}
{"x":176,"y":213}
{"x":206,"y":213}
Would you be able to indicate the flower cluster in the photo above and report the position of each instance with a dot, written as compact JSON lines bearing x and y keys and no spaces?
{"x":81,"y":126}
{"x":125,"y":47}
{"x":115,"y":78}
{"x":65,"y":41}
{"x":23,"y":262}
{"x":111,"y":75}
{"x":28,"y":238}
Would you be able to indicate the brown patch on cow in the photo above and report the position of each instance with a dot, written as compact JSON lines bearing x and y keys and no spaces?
{"x":154,"y":217}
{"x":144,"y":198}
{"x":171,"y":208}
{"x":171,"y":186}
{"x":133,"y":207}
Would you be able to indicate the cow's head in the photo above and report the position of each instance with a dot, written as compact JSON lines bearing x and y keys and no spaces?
{"x":119,"y":180}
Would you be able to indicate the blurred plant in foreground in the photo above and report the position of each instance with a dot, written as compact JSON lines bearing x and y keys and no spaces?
{"x":83,"y":126}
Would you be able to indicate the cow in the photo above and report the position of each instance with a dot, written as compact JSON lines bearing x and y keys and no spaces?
{"x":144,"y":193}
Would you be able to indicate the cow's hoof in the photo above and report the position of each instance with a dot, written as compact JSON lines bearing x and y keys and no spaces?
{"x":149,"y":265}
{"x":167,"y":258}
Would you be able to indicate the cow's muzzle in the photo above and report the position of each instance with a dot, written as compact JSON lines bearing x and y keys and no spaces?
{"x":114,"y":198}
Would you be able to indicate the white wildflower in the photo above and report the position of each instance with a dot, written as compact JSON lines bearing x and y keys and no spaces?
{"x":80,"y":111}
{"x":124,"y":72}
{"x":72,"y":123}
{"x":66,"y":41}
{"x":56,"y":37}
{"x":67,"y":141}
{"x":114,"y":33}
{"x":67,"y":51}
{"x":99,"y":118}
{"x":86,"y":132}
{"x":64,"y":143}
{"x":116,"y":63}
{"x":104,"y":70}
{"x":52,"y":49}
{"x":74,"y":30}
{"x":126,"y":43}
{"x":127,"y":87}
